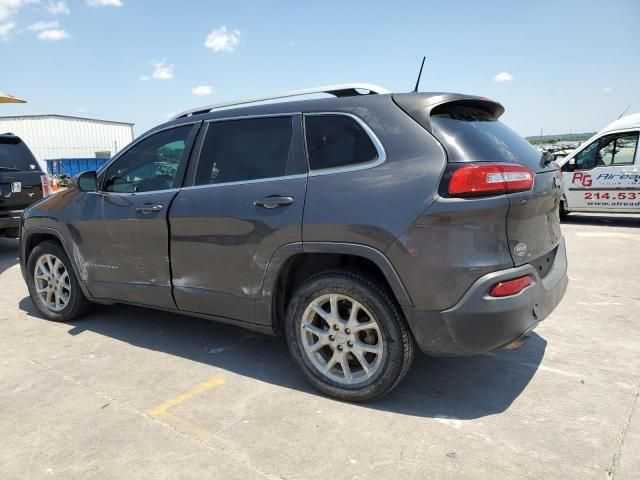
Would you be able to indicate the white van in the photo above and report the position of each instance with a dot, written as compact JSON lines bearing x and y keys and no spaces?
{"x":603,"y":174}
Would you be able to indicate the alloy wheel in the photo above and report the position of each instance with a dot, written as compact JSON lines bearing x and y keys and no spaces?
{"x":52,"y":282}
{"x":342,"y":339}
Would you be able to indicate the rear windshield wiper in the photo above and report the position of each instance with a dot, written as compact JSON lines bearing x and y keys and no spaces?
{"x":10,"y":168}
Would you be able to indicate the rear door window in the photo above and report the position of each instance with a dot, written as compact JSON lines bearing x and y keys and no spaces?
{"x":471,"y":134}
{"x":335,"y":141}
{"x":14,"y":155}
{"x":244,"y":150}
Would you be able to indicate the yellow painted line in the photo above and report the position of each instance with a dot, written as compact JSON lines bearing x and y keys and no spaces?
{"x":161,"y":412}
{"x":183,"y":397}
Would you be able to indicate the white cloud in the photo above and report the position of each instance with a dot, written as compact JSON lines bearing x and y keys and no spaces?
{"x":58,"y":8}
{"x":104,"y":3}
{"x":221,"y":40}
{"x":6,"y":28}
{"x":8,"y":8}
{"x":202,"y":90}
{"x":161,"y":71}
{"x":503,"y":77}
{"x":40,"y":26}
{"x":607,"y":89}
{"x":52,"y":35}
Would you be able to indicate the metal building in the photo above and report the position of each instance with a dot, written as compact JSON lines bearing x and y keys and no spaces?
{"x":62,"y":136}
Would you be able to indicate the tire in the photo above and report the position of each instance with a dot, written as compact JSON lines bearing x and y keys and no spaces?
{"x":379,"y":336}
{"x":69,"y":289}
{"x":563,"y":210}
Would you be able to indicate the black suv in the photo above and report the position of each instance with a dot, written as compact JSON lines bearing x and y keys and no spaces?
{"x":20,"y":182}
{"x":361,"y":225}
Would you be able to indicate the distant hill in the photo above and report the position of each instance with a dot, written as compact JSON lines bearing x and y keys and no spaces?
{"x":564,"y":137}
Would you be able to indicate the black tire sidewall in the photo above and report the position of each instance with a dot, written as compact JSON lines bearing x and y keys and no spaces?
{"x":386,"y":315}
{"x":77,"y":302}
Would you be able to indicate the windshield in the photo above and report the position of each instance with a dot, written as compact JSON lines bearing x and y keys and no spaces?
{"x":473,"y":135}
{"x":14,"y":155}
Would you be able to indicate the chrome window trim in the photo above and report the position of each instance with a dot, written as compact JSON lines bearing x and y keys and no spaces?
{"x":247,"y":182}
{"x":382,"y":155}
{"x":121,"y":194}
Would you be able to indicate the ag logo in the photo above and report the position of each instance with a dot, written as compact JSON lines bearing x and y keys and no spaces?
{"x":520,"y":250}
{"x":583,"y":178}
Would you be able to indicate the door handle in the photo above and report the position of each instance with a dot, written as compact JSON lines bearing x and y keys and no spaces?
{"x":274,"y":201}
{"x":148,"y":208}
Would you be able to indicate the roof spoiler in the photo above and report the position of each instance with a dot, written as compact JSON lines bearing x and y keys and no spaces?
{"x":421,"y":106}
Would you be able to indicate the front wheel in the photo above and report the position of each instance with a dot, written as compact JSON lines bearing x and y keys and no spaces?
{"x":563,"y":209}
{"x":53,"y":285}
{"x":347,"y":335}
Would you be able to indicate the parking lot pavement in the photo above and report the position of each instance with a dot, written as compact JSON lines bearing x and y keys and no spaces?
{"x":134,"y":393}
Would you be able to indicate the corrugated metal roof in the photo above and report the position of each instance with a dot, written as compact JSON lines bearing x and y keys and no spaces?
{"x":55,"y":115}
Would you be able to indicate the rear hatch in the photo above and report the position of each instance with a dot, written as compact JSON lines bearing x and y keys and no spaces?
{"x":20,"y":182}
{"x":471,"y":132}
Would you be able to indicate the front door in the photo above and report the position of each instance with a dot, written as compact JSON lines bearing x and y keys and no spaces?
{"x":124,"y":245}
{"x":606,"y":175}
{"x":245,"y":201}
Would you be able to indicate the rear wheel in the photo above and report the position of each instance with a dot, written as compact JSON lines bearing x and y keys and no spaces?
{"x":52,"y":283}
{"x":347,"y":336}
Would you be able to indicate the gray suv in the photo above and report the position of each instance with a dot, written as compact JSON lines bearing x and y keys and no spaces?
{"x":361,"y":226}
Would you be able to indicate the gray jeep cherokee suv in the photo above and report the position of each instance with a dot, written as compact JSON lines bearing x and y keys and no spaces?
{"x":360,"y":225}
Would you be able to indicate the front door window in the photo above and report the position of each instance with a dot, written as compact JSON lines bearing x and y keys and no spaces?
{"x":150,"y":165}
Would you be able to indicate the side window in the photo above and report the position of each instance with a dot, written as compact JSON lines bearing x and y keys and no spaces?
{"x":150,"y":165}
{"x":618,"y":149}
{"x":586,"y":159}
{"x":242,"y":150}
{"x":337,"y":141}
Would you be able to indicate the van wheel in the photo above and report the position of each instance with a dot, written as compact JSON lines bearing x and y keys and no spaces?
{"x":52,"y":283}
{"x":563,"y":209}
{"x":347,"y":336}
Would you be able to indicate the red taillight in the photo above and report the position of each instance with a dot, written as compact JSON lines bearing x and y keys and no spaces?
{"x":490,"y":179}
{"x":510,"y":287}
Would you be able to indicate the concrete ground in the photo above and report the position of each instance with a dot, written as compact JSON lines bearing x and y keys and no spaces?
{"x":133,"y":393}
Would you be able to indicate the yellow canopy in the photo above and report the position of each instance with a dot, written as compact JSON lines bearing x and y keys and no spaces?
{"x":6,"y":98}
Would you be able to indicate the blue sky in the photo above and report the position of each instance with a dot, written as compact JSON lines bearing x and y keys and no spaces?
{"x":565,"y":65}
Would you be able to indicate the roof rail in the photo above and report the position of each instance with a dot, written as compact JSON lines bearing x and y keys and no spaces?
{"x":341,"y":90}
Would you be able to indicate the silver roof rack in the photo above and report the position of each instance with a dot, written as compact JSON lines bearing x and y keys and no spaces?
{"x":341,"y":90}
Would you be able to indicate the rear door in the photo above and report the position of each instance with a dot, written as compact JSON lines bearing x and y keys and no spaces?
{"x":122,"y":229}
{"x":244,"y":200}
{"x":605,"y":175}
{"x":476,"y":135}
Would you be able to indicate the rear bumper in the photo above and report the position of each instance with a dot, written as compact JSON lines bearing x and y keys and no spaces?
{"x":479,"y":323}
{"x":10,"y":219}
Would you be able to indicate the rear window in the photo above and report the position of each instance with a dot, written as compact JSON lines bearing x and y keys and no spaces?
{"x":244,"y":150}
{"x":337,"y":141}
{"x":14,"y":155}
{"x":474,"y":135}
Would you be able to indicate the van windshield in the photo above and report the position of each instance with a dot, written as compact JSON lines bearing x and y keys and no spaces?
{"x":15,"y":155}
{"x":473,"y":135}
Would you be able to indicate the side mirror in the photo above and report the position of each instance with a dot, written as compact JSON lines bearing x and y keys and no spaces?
{"x":86,"y":181}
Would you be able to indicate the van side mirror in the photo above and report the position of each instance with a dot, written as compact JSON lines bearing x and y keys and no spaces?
{"x":86,"y":181}
{"x":571,"y":165}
